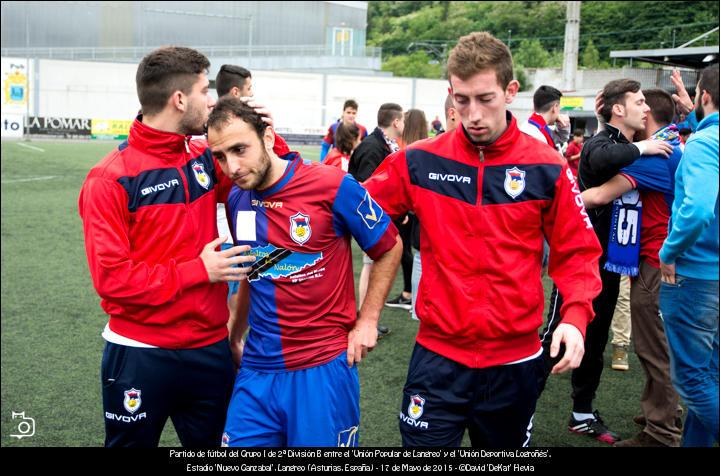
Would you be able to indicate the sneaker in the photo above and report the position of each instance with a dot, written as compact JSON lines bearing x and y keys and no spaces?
{"x":594,"y":428}
{"x":641,"y":440}
{"x":382,"y":331}
{"x":400,"y":303}
{"x":620,"y":358}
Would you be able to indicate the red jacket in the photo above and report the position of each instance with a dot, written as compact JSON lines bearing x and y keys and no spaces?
{"x":482,"y":213}
{"x":148,"y":209}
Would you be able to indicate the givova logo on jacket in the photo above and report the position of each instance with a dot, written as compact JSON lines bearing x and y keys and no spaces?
{"x":514,"y":181}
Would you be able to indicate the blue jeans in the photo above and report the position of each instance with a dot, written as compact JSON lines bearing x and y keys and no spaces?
{"x":690,"y":314}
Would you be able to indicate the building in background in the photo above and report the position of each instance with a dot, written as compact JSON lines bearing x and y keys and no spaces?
{"x":292,"y":36}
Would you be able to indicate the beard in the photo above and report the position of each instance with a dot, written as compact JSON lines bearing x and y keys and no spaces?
{"x":193,"y":121}
{"x":699,"y":112}
{"x":256,"y":178}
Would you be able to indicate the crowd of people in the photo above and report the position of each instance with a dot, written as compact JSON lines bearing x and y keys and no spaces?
{"x":473,"y":213}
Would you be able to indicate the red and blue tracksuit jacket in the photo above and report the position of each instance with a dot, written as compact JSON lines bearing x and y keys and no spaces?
{"x":483,"y":213}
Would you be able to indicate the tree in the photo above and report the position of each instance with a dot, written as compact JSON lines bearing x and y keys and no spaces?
{"x":591,"y":57}
{"x":531,"y":54}
{"x":415,"y":65}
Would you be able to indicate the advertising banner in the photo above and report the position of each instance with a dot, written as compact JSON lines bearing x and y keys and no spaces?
{"x":12,"y":125}
{"x":59,"y":126}
{"x":110,"y":129}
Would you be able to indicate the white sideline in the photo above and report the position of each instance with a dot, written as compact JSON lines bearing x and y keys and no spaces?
{"x":32,"y":179}
{"x":32,"y":147}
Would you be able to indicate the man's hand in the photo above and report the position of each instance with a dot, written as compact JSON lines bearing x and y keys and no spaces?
{"x":574,"y":347}
{"x":667,"y":273}
{"x":682,"y":98}
{"x":361,"y":340}
{"x":599,"y":103}
{"x":563,"y":121}
{"x":219,"y":264}
{"x":263,"y":111}
{"x":656,"y":147}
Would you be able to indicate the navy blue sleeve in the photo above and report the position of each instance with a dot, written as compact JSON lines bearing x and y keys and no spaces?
{"x":356,"y":213}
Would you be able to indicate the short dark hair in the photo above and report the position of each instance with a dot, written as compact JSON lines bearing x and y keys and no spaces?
{"x":350,"y":103}
{"x":579,"y":133}
{"x":164,"y":71}
{"x":229,"y":108}
{"x":614,"y":93}
{"x":345,"y":137}
{"x":387,"y":113}
{"x":709,"y":82}
{"x":662,"y":106}
{"x":230,"y":76}
{"x":545,"y":97}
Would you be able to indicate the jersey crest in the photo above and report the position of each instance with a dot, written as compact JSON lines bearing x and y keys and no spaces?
{"x":514,"y":181}
{"x":202,"y":178}
{"x":300,"y":230}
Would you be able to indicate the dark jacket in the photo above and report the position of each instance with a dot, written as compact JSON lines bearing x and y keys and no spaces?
{"x":368,"y":155}
{"x":602,"y":158}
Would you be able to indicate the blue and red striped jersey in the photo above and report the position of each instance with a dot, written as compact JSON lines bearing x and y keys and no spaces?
{"x":302,"y":299}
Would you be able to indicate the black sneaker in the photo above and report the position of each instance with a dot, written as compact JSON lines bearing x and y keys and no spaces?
{"x":400,"y":303}
{"x":594,"y":428}
{"x":382,"y":331}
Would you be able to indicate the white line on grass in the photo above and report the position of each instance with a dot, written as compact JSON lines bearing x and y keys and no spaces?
{"x":32,"y":179}
{"x":32,"y":147}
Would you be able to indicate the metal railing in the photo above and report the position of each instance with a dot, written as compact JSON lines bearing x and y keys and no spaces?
{"x":136,"y":53}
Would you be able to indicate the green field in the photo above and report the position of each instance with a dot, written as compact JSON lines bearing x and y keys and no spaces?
{"x":51,"y":322}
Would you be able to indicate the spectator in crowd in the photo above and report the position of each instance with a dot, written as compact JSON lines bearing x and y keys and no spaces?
{"x":367,"y":157}
{"x":350,"y":109}
{"x":347,"y":138}
{"x":689,"y":268}
{"x":546,"y":124}
{"x":623,"y":112}
{"x":572,"y":153}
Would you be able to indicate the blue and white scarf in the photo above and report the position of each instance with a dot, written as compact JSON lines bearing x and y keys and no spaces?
{"x":624,"y":244}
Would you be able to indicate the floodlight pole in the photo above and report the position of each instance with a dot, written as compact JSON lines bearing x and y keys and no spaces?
{"x":572,"y":45}
{"x":27,"y":74}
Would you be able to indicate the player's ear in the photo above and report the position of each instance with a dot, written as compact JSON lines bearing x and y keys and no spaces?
{"x":269,"y":138}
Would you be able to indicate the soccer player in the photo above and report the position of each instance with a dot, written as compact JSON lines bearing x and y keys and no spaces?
{"x":350,"y":109}
{"x":298,"y":381}
{"x":236,"y":81}
{"x":148,"y":212}
{"x":486,"y":194}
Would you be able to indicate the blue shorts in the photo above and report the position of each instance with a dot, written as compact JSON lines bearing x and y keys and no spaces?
{"x":233,"y":286}
{"x":319,"y":406}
